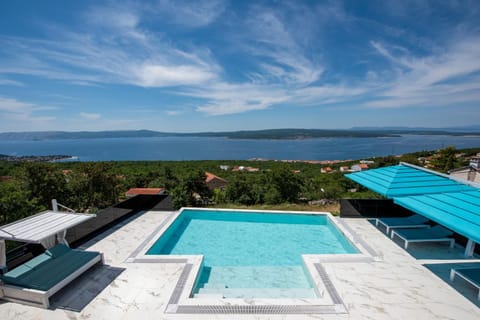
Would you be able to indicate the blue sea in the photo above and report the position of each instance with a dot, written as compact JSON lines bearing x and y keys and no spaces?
{"x":206,"y":148}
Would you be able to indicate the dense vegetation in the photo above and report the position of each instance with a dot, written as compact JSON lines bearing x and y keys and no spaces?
{"x":88,"y":187}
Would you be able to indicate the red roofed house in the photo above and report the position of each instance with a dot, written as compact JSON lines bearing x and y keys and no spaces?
{"x":144,"y":191}
{"x":360,"y":167}
{"x":66,"y":172}
{"x":5,"y":178}
{"x":214,"y":182}
{"x":363,"y":166}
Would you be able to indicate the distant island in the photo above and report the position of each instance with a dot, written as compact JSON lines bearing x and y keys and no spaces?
{"x":273,"y":134}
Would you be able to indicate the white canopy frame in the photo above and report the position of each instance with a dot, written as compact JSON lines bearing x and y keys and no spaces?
{"x":43,"y":228}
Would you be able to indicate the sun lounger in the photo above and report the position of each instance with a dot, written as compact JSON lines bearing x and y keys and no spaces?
{"x":35,"y":281}
{"x":471,"y":275}
{"x":415,"y":221}
{"x":434,"y":234}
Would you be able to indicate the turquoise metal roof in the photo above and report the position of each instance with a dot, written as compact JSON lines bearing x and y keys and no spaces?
{"x":458,"y":211}
{"x":403,"y":180}
{"x":452,"y":204}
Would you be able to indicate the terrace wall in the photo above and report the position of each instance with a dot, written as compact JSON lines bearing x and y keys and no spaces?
{"x":371,"y":208}
{"x":108,"y":217}
{"x":104,"y":220}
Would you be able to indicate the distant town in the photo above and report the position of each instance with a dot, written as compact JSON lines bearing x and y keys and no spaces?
{"x":48,"y":158}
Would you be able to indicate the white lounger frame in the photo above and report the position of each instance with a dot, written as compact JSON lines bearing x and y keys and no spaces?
{"x":388,"y":228}
{"x":39,"y":298}
{"x":407,"y":241}
{"x":455,"y":272}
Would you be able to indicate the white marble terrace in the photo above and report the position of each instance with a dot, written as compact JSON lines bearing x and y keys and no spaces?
{"x":395,"y":285}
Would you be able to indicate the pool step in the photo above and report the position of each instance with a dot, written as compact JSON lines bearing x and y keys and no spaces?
{"x":208,"y":296}
{"x":214,"y":285}
{"x":255,"y":293}
{"x":254,"y":276}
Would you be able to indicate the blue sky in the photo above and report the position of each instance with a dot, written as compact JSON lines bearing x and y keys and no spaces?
{"x":218,"y":65}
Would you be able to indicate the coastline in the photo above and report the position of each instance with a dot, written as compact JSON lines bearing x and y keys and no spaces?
{"x":31,"y":158}
{"x":316,"y":151}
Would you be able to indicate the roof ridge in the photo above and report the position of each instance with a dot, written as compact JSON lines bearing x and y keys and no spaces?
{"x":443,"y":175}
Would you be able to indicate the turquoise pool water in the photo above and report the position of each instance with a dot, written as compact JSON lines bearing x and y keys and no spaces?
{"x":252,"y":254}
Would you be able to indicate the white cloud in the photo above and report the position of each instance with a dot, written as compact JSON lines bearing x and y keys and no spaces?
{"x":328,"y":94}
{"x":8,"y":82}
{"x":223,"y":98}
{"x":283,"y":70}
{"x":90,"y":116}
{"x":173,"y":112}
{"x":285,"y":74}
{"x":273,"y":40}
{"x":191,"y":14}
{"x":149,"y":75}
{"x":237,"y":98}
{"x":113,"y":17}
{"x":443,"y":78}
{"x":16,"y":106}
{"x":112,"y":49}
{"x":278,"y":64}
{"x":118,"y":21}
{"x":14,"y":112}
{"x":130,"y":55}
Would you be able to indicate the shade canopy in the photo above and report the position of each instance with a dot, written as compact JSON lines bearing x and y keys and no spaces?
{"x":38,"y":227}
{"x":448,"y":202}
{"x":406,"y":180}
{"x":458,"y":211}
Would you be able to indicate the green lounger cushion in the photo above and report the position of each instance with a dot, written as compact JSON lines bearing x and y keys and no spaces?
{"x":51,"y":271}
{"x":412,"y":220}
{"x":435,"y":232}
{"x":471,"y":273}
{"x":58,"y":250}
{"x":26,"y":267}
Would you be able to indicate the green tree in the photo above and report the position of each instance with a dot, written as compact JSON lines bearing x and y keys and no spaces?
{"x":181,"y":196}
{"x":445,"y":159}
{"x":387,"y":161}
{"x":239,"y":190}
{"x":44,"y":182}
{"x":15,"y":202}
{"x":287,"y":184}
{"x":219,"y":196}
{"x":92,"y":185}
{"x":273,"y":196}
{"x":169,"y":179}
{"x":192,"y":190}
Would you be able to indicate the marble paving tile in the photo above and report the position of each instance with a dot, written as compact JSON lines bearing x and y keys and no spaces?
{"x":368,"y":312}
{"x":398,"y":285}
{"x":9,"y":310}
{"x":451,"y":310}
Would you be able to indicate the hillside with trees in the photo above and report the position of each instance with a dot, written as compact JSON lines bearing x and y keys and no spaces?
{"x":28,"y":187}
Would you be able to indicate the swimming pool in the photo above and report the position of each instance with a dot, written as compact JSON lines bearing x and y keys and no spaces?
{"x":251,"y":254}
